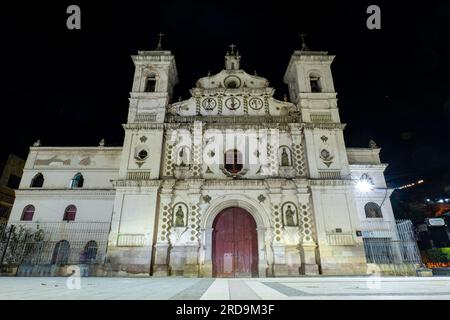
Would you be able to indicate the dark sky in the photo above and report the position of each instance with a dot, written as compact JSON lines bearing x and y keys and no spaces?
{"x":71,"y":88}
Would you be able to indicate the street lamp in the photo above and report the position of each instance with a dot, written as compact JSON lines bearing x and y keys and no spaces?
{"x":364,"y":184}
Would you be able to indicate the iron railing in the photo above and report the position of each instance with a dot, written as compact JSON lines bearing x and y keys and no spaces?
{"x":388,"y":242}
{"x":61,"y":243}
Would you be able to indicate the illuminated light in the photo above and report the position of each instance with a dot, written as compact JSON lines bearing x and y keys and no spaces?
{"x":364,"y":184}
{"x":428,"y":200}
{"x":441,"y":201}
{"x":410,"y":185}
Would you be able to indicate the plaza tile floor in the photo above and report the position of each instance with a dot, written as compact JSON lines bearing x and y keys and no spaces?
{"x":312,"y":288}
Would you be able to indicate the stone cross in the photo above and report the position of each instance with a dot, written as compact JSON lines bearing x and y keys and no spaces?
{"x":160,"y":35}
{"x":304,"y":47}
{"x":232,"y":46}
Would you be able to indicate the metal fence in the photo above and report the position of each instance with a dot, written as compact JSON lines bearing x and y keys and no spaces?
{"x":28,"y":245}
{"x":391,"y":243}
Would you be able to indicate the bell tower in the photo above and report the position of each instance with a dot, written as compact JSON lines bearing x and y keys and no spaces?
{"x":130,"y":245}
{"x":311,"y":88}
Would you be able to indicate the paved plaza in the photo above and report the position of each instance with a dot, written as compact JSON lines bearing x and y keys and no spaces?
{"x":226,"y":289}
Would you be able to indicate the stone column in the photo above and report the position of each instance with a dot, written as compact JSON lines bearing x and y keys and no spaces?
{"x":262,"y":252}
{"x":280,"y":267}
{"x":308,"y":246}
{"x":191,"y":267}
{"x":161,"y":265}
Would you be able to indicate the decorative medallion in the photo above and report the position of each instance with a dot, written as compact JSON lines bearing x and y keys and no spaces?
{"x":324,"y":139}
{"x":256,"y":103}
{"x":326,"y":157}
{"x":209,"y":104}
{"x":232,"y":103}
{"x":207,"y":199}
{"x":261,"y":198}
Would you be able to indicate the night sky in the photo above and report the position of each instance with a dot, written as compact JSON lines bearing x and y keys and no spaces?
{"x":71,"y":87}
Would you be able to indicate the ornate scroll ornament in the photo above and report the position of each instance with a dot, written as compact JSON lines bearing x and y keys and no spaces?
{"x":326,"y":157}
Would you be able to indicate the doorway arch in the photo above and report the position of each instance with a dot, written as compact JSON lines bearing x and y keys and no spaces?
{"x":234,"y":244}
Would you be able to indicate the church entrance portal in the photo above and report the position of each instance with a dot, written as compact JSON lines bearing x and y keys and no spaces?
{"x":235,"y":244}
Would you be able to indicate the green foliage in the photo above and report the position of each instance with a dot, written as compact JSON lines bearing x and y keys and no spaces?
{"x":439,"y":255}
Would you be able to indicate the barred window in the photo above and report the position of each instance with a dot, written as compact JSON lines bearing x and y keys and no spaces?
{"x":89,"y":254}
{"x":61,"y":253}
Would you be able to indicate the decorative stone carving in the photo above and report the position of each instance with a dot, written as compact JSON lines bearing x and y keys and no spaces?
{"x":326,"y":157}
{"x":207,"y":199}
{"x":53,"y":160}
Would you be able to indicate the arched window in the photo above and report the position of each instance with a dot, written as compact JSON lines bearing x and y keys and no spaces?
{"x":314,"y":80}
{"x":70,"y":213}
{"x":150,"y":84}
{"x":77,"y":181}
{"x":61,"y":253}
{"x":27,"y":213}
{"x":37,"y":181}
{"x":89,"y":254}
{"x":373,"y":210}
{"x":233,"y":161}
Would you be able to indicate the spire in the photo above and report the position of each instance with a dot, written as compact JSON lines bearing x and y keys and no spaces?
{"x":160,"y":35}
{"x":304,"y":46}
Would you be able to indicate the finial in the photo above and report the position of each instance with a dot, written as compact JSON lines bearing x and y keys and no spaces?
{"x":209,"y":73}
{"x":160,"y":35}
{"x":232,"y":46}
{"x":304,"y":46}
{"x":285,"y":98}
{"x":256,"y":74}
{"x":37,"y":143}
{"x":372,"y":144}
{"x":101,"y":143}
{"x":179,"y":99}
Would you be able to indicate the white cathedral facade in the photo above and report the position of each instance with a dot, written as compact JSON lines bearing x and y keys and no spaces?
{"x":230,"y":182}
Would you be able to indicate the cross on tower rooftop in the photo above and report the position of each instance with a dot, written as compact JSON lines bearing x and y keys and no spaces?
{"x":160,"y":35}
{"x":232,"y":46}
{"x":304,"y":46}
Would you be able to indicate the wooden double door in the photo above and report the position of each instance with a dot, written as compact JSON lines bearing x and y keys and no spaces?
{"x":235,"y":244}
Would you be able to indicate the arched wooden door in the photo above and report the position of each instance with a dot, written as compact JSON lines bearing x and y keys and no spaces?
{"x":235,"y":244}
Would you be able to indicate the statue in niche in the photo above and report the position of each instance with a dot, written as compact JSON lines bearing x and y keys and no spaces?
{"x":285,"y":162}
{"x":183,"y":157}
{"x":179,"y":217}
{"x":290,"y":217}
